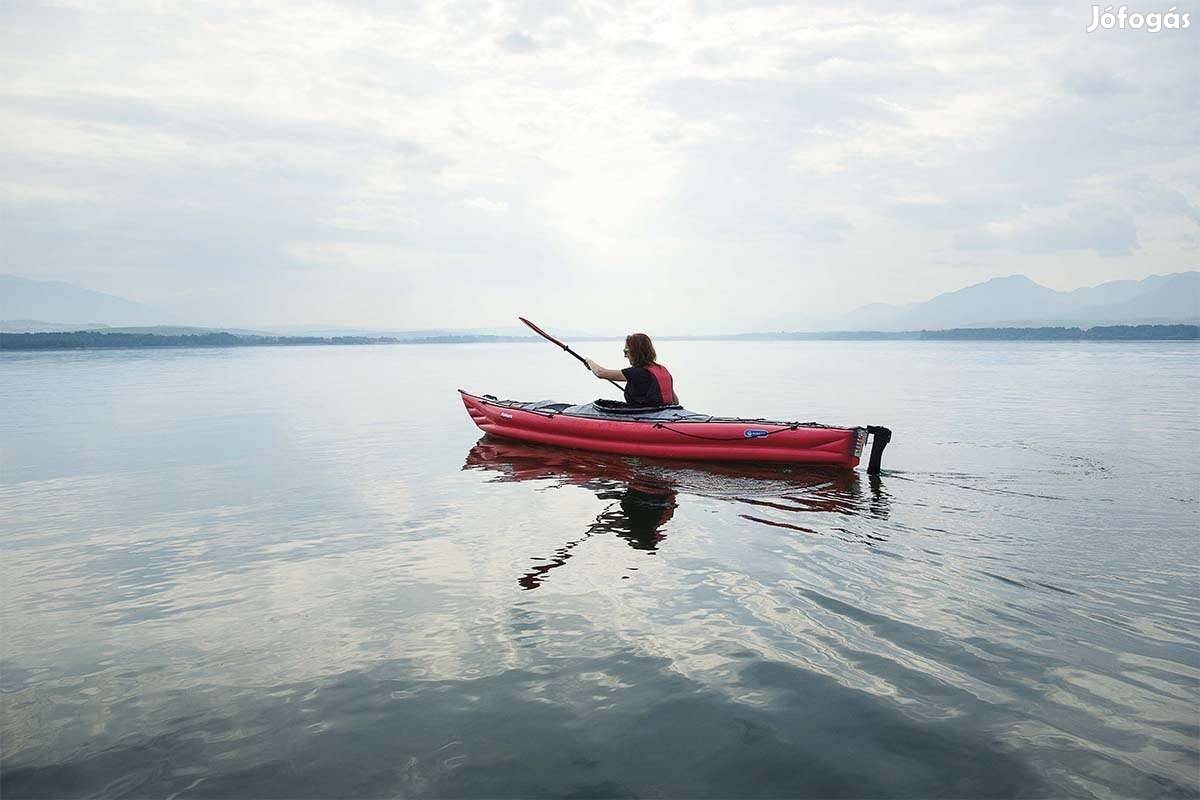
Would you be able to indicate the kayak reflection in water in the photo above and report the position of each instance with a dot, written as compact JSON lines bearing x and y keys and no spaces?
{"x":647,"y":383}
{"x":644,"y":494}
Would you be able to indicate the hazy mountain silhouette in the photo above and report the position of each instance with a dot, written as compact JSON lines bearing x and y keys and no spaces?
{"x":33,"y":301}
{"x":1018,"y":301}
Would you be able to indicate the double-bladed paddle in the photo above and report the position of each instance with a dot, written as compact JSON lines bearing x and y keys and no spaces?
{"x":548,"y":337}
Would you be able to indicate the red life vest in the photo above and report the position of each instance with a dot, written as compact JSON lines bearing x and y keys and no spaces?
{"x":666,"y":389}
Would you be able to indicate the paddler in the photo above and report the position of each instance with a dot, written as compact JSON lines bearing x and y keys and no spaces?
{"x":647,"y":383}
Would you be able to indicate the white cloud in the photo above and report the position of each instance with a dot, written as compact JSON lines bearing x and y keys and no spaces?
{"x":484,"y":204}
{"x":1102,"y":230}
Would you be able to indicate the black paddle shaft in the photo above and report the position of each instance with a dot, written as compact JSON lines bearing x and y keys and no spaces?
{"x":550,"y":338}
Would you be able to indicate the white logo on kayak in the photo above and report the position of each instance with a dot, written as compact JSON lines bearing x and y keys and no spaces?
{"x":505,"y":415}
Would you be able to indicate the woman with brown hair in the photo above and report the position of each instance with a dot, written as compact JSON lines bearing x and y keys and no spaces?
{"x":647,"y":383}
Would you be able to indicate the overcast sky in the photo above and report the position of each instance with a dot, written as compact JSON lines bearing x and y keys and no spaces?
{"x":612,"y":166}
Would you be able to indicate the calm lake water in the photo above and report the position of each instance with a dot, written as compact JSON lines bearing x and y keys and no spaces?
{"x":299,"y":572}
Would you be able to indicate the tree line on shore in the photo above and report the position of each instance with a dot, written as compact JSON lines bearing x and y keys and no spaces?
{"x":1099,"y":333}
{"x":79,"y":340}
{"x":1050,"y":334}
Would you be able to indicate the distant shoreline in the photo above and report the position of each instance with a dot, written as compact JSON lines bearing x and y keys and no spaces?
{"x":97,"y":340}
{"x":1099,"y":333}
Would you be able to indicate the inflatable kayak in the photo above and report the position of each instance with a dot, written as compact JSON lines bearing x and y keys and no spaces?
{"x":673,"y":432}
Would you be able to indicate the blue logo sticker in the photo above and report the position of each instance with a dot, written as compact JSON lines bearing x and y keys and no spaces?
{"x":754,"y":433}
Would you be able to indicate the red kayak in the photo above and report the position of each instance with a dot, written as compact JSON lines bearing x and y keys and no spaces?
{"x":673,"y":432}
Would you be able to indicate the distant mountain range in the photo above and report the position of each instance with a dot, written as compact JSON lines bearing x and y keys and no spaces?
{"x":29,"y":306}
{"x":40,"y":302}
{"x":1015,"y":301}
